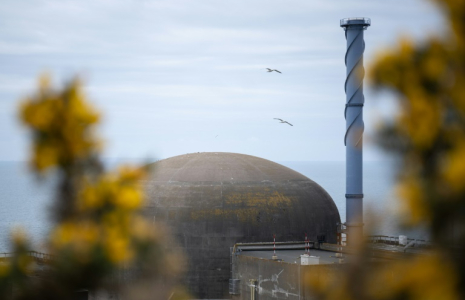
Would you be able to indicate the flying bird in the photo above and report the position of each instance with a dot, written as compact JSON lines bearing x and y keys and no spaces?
{"x":282,"y":121}
{"x":271,"y":70}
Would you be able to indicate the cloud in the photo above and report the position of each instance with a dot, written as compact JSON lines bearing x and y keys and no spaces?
{"x":198,"y":63}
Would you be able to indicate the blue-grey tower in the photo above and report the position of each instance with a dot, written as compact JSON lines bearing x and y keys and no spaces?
{"x":353,"y":139}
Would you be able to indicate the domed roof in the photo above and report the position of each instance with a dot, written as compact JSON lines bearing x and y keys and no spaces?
{"x":221,"y":166}
{"x":213,"y":200}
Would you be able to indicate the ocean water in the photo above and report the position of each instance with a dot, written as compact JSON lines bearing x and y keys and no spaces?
{"x":24,"y":203}
{"x":25,"y":200}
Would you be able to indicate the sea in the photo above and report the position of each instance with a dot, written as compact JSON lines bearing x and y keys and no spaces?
{"x":25,"y":200}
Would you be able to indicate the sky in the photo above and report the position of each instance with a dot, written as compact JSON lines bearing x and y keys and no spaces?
{"x":181,"y":76}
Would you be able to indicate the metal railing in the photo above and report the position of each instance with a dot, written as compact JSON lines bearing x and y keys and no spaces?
{"x":362,"y":21}
{"x":269,"y":246}
{"x":394,"y":240}
{"x":34,"y":254}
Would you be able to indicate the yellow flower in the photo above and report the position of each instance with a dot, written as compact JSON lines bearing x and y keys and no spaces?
{"x":128,"y":198}
{"x":25,"y":263}
{"x":90,"y":199}
{"x":421,"y":119}
{"x":62,"y":124}
{"x":5,"y":268}
{"x":454,"y":168}
{"x":424,"y":277}
{"x":45,"y":155}
{"x":414,"y":208}
{"x":63,"y":235}
{"x":118,"y":247}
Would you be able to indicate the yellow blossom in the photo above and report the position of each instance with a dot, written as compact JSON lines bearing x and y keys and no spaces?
{"x":5,"y":268}
{"x":454,"y":169}
{"x":62,"y":124}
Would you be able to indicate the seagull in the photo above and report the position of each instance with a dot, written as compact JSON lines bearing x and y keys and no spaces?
{"x":282,"y":121}
{"x":271,"y":70}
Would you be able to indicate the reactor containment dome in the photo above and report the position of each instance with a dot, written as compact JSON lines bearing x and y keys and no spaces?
{"x":214,"y":200}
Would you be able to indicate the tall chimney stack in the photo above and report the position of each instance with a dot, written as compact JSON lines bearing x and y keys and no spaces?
{"x":353,"y":138}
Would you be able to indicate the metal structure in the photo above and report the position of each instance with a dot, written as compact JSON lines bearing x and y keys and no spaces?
{"x":353,"y":139}
{"x":274,"y":247}
{"x":43,"y":257}
{"x":307,"y":251}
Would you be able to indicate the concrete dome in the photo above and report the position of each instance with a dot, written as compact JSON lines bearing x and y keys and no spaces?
{"x":214,"y":200}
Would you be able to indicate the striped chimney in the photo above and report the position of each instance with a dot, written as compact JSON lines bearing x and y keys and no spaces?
{"x":353,"y":139}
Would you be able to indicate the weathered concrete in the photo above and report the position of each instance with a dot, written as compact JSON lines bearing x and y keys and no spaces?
{"x":214,"y":200}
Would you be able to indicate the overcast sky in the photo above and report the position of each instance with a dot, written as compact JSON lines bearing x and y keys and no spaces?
{"x":182,"y":76}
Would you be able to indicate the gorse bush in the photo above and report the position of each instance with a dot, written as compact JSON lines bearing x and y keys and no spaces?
{"x":428,"y":137}
{"x":99,"y":239}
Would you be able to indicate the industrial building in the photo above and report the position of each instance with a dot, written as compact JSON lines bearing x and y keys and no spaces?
{"x":214,"y":200}
{"x":224,"y":209}
{"x":262,"y":271}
